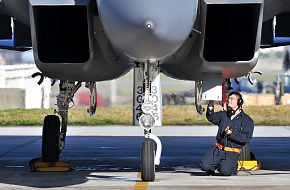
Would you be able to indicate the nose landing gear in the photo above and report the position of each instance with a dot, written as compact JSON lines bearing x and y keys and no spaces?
{"x":149,"y":116}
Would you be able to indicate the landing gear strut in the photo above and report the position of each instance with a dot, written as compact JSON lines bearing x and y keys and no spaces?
{"x":198,"y":97}
{"x":151,"y":147}
{"x":66,"y":94}
{"x":65,"y":97}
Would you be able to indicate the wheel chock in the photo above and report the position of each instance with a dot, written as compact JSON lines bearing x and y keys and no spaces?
{"x":251,"y":165}
{"x":39,"y":166}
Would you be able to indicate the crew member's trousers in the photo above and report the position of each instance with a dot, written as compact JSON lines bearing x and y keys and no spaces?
{"x":225,"y":162}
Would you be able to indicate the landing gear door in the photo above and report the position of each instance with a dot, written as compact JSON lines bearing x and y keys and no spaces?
{"x":212,"y":87}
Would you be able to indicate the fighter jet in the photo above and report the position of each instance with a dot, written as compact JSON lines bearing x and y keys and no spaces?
{"x":86,"y":41}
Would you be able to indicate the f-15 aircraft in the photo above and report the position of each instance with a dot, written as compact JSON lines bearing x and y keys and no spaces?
{"x":86,"y":41}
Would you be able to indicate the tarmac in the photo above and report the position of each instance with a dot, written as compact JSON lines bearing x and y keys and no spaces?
{"x":109,"y":157}
{"x":115,"y":130}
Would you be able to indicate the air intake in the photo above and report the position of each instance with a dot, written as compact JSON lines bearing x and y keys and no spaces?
{"x":231,"y":32}
{"x":62,"y":33}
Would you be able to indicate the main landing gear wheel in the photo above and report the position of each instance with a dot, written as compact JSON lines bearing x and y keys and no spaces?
{"x":50,"y":139}
{"x":147,"y":160}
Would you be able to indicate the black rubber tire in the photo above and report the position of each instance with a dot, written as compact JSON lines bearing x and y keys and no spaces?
{"x":245,"y":153}
{"x":50,"y":139}
{"x":147,"y":160}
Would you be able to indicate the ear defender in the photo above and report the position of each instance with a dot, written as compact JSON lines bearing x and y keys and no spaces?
{"x":240,"y":101}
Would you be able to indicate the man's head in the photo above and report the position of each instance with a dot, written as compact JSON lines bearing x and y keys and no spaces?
{"x":235,"y":100}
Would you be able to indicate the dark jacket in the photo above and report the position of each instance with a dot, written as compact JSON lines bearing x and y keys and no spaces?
{"x":242,"y":125}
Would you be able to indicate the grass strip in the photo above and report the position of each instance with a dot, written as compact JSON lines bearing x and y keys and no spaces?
{"x":172,"y":115}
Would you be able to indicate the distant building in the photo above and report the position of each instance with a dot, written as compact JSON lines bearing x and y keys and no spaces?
{"x":19,"y":90}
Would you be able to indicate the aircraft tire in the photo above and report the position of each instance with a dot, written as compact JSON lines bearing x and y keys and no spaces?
{"x":245,"y":152}
{"x":50,"y":139}
{"x":147,"y":160}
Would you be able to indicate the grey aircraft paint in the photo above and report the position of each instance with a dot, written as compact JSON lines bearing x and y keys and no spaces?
{"x":169,"y":31}
{"x":148,"y":30}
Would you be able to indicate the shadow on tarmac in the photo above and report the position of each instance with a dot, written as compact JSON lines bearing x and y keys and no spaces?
{"x":92,"y":157}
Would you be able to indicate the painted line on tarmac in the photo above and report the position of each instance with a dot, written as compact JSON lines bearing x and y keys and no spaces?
{"x":141,"y":185}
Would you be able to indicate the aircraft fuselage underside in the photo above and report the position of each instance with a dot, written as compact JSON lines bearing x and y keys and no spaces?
{"x":100,"y":40}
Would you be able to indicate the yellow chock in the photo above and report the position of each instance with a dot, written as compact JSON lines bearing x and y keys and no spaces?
{"x":39,"y":166}
{"x":251,"y":165}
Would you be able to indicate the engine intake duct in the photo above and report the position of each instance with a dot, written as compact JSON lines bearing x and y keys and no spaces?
{"x":62,"y":31}
{"x":231,"y":31}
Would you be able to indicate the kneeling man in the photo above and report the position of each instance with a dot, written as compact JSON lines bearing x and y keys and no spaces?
{"x":235,"y":129}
